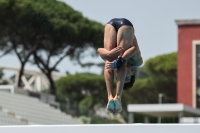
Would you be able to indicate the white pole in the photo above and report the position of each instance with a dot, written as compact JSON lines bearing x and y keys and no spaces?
{"x":160,"y":95}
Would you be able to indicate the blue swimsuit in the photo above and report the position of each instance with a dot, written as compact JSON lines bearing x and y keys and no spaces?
{"x":119,"y":22}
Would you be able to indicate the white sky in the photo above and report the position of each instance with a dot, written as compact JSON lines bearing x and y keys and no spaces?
{"x":153,"y":20}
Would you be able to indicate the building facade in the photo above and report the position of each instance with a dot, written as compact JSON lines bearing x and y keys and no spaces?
{"x":188,"y":74}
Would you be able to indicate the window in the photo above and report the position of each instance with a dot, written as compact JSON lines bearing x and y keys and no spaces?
{"x":198,"y":76}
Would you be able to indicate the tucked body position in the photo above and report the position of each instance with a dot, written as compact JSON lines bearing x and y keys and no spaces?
{"x":121,"y":54}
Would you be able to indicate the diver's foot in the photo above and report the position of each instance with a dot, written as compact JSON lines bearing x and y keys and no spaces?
{"x":118,"y":106}
{"x":110,"y":105}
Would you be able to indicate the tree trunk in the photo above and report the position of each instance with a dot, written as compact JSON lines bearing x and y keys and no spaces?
{"x":52,"y":84}
{"x":21,"y":72}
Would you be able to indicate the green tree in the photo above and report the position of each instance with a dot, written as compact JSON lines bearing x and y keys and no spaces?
{"x":48,"y":30}
{"x":160,"y":76}
{"x":85,"y":90}
{"x":16,"y":31}
{"x":2,"y":81}
{"x":69,"y":34}
{"x":1,"y":74}
{"x":5,"y":47}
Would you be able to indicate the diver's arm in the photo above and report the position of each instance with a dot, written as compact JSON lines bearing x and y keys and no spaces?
{"x":104,"y":53}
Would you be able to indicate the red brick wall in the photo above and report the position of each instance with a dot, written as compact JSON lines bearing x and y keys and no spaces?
{"x":186,"y":34}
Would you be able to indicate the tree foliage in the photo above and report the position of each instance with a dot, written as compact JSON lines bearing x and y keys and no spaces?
{"x":48,"y":29}
{"x":1,"y":73}
{"x":2,"y":81}
{"x":160,"y":77}
{"x":85,"y":91}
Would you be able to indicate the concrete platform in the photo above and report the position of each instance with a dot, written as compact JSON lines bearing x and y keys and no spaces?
{"x":105,"y":128}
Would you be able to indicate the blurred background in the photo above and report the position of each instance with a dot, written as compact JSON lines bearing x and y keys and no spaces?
{"x":50,"y":72}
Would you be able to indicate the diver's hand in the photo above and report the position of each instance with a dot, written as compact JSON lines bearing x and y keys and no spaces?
{"x":116,"y":52}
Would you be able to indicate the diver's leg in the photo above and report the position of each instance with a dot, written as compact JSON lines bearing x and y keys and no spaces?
{"x":110,"y":42}
{"x":125,"y":38}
